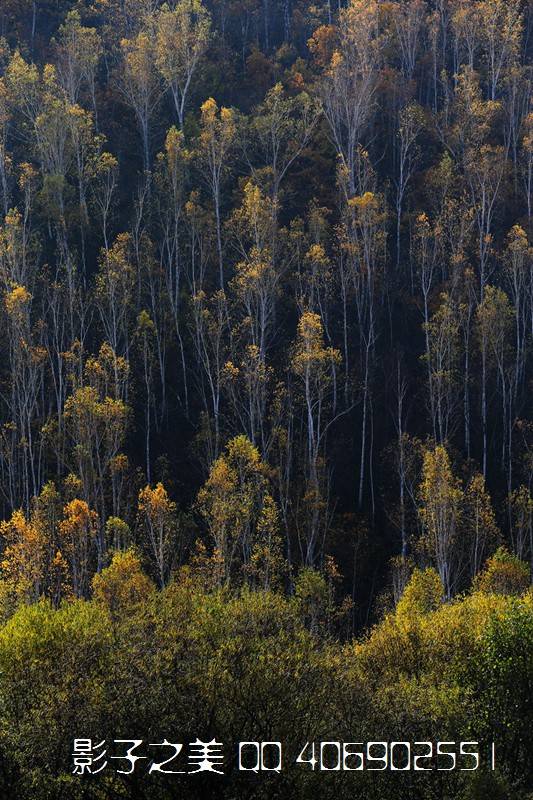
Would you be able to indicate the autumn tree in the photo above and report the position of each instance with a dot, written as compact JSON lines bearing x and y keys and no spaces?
{"x":141,"y":85}
{"x":215,"y":148}
{"x":79,"y":50}
{"x":114,"y":290}
{"x":282,"y":126}
{"x":95,"y":425}
{"x":348,"y":92}
{"x":181,"y":39}
{"x":122,"y":585}
{"x":78,"y":531}
{"x":517,"y":262}
{"x":173,"y":173}
{"x":494,"y":318}
{"x":504,"y":573}
{"x":442,"y":338}
{"x":315,"y":367}
{"x":23,"y":562}
{"x":210,"y":341}
{"x":258,"y":274}
{"x":521,"y":517}
{"x":364,"y":241}
{"x":240,"y":513}
{"x":441,"y":498}
{"x":158,"y":525}
{"x":5,"y":158}
{"x":411,"y":122}
{"x":479,"y":521}
{"x":23,"y":456}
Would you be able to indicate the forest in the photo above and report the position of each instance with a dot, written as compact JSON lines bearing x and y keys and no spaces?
{"x":266,"y":367}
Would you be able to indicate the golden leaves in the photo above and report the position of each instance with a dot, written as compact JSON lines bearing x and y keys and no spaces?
{"x":16,"y":300}
{"x":155,"y":503}
{"x":78,"y":518}
{"x":309,"y":353}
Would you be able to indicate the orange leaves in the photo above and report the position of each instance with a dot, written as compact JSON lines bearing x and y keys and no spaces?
{"x":24,"y":554}
{"x":322,"y":44}
{"x":96,"y":419}
{"x":157,"y":517}
{"x":155,"y":503}
{"x":116,"y":266}
{"x":22,"y":81}
{"x":250,"y":274}
{"x":254,"y":222}
{"x":78,"y":525}
{"x":78,"y":531}
{"x":44,"y":554}
{"x":317,"y":255}
{"x":360,"y":32}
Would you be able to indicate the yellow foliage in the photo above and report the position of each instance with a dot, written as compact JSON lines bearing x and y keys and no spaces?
{"x":79,"y":522}
{"x":123,"y":584}
{"x":236,"y":506}
{"x":309,"y":352}
{"x":504,"y":574}
{"x":16,"y":300}
{"x":155,"y":502}
{"x":23,"y":559}
{"x":441,"y":497}
{"x":423,"y":593}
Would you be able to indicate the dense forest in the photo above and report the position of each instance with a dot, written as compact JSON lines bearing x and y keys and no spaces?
{"x":266,"y":431}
